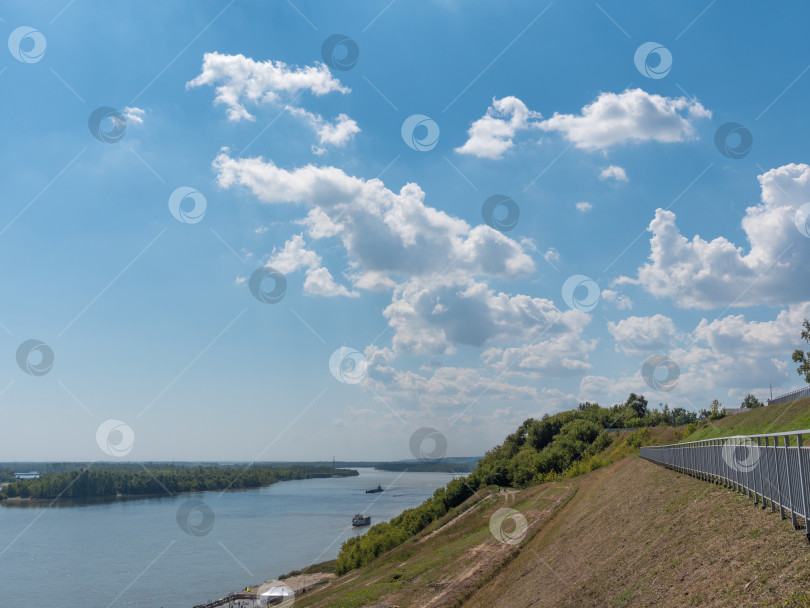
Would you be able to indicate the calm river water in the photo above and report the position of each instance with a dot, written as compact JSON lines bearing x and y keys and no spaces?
{"x":134,"y":553}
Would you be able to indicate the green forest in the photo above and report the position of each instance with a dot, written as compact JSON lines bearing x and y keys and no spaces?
{"x":90,"y":483}
{"x":565,"y":444}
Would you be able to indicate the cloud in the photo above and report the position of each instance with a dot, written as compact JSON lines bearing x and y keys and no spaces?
{"x":319,"y":281}
{"x":709,"y":274}
{"x":736,"y":336}
{"x":557,"y":353}
{"x":491,"y":135}
{"x":240,"y":80}
{"x":613,"y":172}
{"x":726,"y":359}
{"x":612,"y":118}
{"x":622,"y":301}
{"x":437,"y":316}
{"x":636,"y":335}
{"x":551,"y":255}
{"x":337,"y":133}
{"x":134,"y":115}
{"x":631,"y":116}
{"x":446,"y":390}
{"x":583,"y":207}
{"x":438,"y":269}
{"x":386,"y":235}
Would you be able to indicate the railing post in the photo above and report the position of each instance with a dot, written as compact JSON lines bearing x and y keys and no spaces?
{"x":737,"y":472}
{"x":751,"y":475}
{"x":755,"y":476}
{"x":790,"y":483}
{"x":801,"y":485}
{"x":770,"y":478}
{"x":778,"y":477}
{"x":703,"y":467}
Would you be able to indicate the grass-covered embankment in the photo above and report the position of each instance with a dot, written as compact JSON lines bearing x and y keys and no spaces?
{"x":791,"y":416}
{"x":629,"y":534}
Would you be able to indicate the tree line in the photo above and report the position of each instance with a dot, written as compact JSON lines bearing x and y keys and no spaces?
{"x":90,"y":483}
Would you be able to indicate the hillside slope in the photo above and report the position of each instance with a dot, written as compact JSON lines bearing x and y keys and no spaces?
{"x":636,"y":534}
{"x":791,"y":416}
{"x":631,"y":534}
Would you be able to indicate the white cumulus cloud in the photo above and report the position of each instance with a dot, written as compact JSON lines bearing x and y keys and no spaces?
{"x":635,"y":335}
{"x":319,"y":281}
{"x":613,"y":172}
{"x":240,"y":80}
{"x":491,"y":135}
{"x":134,"y":115}
{"x":631,"y":116}
{"x":696,"y":273}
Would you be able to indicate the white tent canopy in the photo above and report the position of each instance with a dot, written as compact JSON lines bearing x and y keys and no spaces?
{"x":278,"y":592}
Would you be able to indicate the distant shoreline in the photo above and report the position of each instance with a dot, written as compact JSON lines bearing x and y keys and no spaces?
{"x":31,"y":501}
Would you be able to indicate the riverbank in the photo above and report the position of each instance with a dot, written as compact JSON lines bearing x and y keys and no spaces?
{"x":89,"y":486}
{"x":291,"y":587}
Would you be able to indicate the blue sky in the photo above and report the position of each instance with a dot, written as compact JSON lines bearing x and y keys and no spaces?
{"x":457,"y":326}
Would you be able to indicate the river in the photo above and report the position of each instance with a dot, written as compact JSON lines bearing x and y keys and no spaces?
{"x":135,"y":553}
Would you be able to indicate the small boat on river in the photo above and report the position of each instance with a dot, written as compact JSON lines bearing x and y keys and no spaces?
{"x":360,"y":520}
{"x":375,"y":490}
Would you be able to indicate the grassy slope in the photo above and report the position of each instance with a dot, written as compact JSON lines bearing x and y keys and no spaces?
{"x":791,"y":416}
{"x":630,"y":534}
{"x":445,"y":563}
{"x":636,"y":534}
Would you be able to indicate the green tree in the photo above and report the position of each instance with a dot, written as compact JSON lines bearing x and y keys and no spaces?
{"x":751,"y":402}
{"x":717,"y":410}
{"x":801,"y":357}
{"x":638,"y":403}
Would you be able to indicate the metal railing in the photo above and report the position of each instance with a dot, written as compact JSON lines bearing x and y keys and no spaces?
{"x":797,"y":394}
{"x":772,"y":469}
